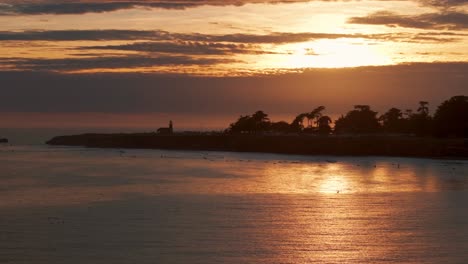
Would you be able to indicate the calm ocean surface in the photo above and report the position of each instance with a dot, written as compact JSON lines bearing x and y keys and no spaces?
{"x":77,"y":205}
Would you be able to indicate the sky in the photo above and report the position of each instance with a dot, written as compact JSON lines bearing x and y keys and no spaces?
{"x":202,"y":63}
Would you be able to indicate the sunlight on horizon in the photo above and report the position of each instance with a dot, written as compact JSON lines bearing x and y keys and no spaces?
{"x":337,"y":53}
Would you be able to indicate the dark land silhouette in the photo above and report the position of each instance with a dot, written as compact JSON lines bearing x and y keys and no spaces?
{"x":3,"y":140}
{"x":361,"y":131}
{"x":450,"y":120}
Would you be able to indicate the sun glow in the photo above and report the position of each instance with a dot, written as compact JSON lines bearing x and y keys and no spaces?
{"x":334,"y":184}
{"x":335,"y":54}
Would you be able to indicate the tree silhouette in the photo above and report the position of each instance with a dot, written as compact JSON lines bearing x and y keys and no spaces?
{"x":360,"y":120}
{"x":297,"y":124}
{"x":312,"y":118}
{"x":392,"y":121}
{"x":451,"y":117}
{"x":261,"y":121}
{"x":408,"y":113}
{"x":324,"y":125}
{"x":280,"y":127}
{"x":243,"y":125}
{"x":316,"y":114}
{"x":421,"y":122}
{"x":423,"y":108}
{"x":257,"y":122}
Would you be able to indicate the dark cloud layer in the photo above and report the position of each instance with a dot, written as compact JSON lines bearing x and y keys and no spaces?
{"x":37,"y":7}
{"x":186,"y":47}
{"x":443,"y":20}
{"x":444,"y":3}
{"x":70,"y":35}
{"x":158,"y":35}
{"x":130,"y":61}
{"x":338,"y":89}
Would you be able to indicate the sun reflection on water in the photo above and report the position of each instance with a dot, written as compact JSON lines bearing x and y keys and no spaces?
{"x":334,"y":184}
{"x":106,"y":175}
{"x":236,"y":208}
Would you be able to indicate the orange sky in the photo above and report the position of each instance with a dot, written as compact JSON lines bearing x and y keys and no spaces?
{"x":213,"y":37}
{"x":65,"y":42}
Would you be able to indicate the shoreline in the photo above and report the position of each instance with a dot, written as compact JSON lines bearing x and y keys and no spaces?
{"x":391,"y":146}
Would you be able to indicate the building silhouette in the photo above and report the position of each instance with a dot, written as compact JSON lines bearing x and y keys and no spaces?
{"x":166,"y":130}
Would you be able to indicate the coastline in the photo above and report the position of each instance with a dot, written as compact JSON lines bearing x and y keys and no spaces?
{"x":379,"y":145}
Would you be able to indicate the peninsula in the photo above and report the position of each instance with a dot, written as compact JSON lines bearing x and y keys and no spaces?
{"x":284,"y":144}
{"x":360,"y":132}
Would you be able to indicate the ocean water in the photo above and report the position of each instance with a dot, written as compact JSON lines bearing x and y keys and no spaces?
{"x":79,"y":205}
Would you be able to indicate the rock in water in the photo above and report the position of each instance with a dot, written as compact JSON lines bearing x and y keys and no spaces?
{"x":3,"y":140}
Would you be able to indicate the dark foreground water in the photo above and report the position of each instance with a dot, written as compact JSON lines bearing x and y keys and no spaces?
{"x":73,"y":205}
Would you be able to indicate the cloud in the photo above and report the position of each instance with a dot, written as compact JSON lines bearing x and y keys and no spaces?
{"x":187,"y":48}
{"x":272,"y":38}
{"x":36,"y":7}
{"x":70,"y":35}
{"x":130,"y":61}
{"x":444,"y":4}
{"x":158,"y":35}
{"x":275,"y":38}
{"x":444,"y":20}
{"x":183,"y":52}
{"x":425,"y":37}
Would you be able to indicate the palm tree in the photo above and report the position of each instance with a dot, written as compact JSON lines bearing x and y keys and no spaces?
{"x":314,"y":116}
{"x":324,"y":125}
{"x":309,"y":116}
{"x":298,"y":122}
{"x":423,"y":108}
{"x":421,"y":122}
{"x":317,"y":113}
